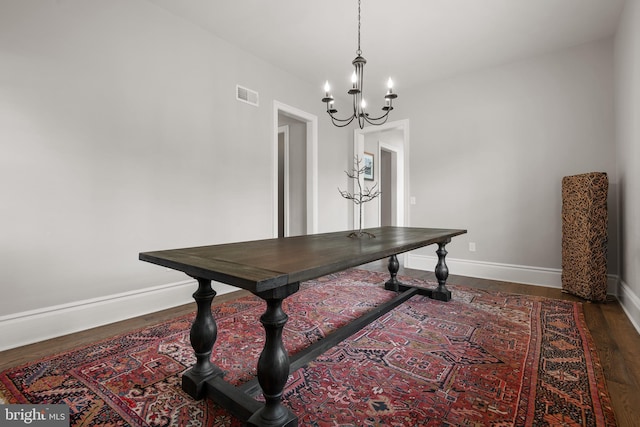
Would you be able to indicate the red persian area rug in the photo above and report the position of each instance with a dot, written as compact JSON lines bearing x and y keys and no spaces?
{"x":483,"y":359}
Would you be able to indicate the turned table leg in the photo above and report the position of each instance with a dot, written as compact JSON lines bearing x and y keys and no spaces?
{"x":393,"y":284}
{"x":273,"y":366}
{"x":203,"y":335}
{"x":441,"y":293}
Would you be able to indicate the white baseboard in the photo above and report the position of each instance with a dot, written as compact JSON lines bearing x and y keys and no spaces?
{"x":630,"y":304}
{"x":549,"y":277}
{"x":32,"y":326}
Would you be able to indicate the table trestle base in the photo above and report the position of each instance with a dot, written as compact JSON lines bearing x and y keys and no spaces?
{"x":272,"y":269}
{"x":239,"y":400}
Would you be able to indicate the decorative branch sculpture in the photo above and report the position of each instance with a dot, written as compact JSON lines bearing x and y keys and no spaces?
{"x":360,"y":197}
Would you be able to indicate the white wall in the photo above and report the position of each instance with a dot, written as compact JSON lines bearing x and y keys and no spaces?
{"x":120,"y":133}
{"x":627,"y":66}
{"x":489,"y":149}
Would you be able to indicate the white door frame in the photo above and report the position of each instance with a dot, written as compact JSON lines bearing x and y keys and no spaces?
{"x":358,"y":150}
{"x":312,"y":163}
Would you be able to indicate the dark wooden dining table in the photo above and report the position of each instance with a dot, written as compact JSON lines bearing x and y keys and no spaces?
{"x":272,"y":269}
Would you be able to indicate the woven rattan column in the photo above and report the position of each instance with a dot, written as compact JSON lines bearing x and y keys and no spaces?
{"x":584,"y":235}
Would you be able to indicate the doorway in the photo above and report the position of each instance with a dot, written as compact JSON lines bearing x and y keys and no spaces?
{"x":292,"y":176}
{"x":390,"y":145}
{"x":295,"y":171}
{"x":283,"y":181}
{"x":388,"y":185}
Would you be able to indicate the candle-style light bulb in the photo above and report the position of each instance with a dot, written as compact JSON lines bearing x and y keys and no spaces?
{"x":390,"y":95}
{"x":327,"y":88}
{"x":390,"y":86}
{"x":354,"y":79}
{"x":363,"y":104}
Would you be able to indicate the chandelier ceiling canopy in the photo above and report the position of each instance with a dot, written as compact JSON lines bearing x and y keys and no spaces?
{"x":359,"y":104}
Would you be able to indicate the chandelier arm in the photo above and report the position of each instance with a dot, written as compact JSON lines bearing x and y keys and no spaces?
{"x":361,"y":121}
{"x":341,"y":125}
{"x":378,"y":121}
{"x":375,"y":119}
{"x":340,"y":122}
{"x":335,"y":119}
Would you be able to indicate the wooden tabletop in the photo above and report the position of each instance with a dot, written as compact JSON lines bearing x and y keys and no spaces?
{"x":262,"y":265}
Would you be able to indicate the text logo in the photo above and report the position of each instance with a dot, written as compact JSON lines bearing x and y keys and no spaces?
{"x":34,"y":415}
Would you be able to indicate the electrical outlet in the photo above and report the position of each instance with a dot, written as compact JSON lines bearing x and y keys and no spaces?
{"x":472,"y":246}
{"x":412,"y":200}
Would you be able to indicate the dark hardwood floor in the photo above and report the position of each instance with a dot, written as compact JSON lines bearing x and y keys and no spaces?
{"x":616,"y":340}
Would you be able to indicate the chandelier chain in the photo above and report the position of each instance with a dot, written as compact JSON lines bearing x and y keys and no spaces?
{"x":358,"y":52}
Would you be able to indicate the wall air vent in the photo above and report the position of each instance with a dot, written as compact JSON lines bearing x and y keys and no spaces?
{"x":247,"y":95}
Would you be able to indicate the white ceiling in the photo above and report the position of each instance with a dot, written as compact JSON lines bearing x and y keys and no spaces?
{"x":410,"y":40}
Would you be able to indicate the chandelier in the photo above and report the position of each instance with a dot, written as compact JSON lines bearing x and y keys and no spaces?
{"x":359,"y":104}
